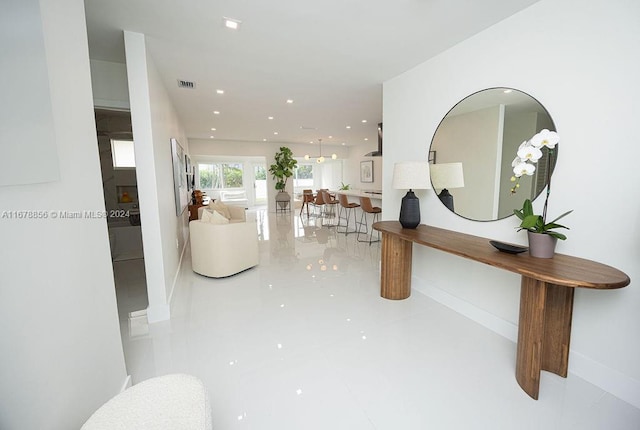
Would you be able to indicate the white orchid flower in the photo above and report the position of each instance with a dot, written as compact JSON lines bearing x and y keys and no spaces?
{"x":517,"y":161}
{"x":545,"y":138}
{"x":524,"y":169}
{"x":530,"y":153}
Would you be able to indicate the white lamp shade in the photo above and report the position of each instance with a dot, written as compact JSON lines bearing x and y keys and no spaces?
{"x":447,"y":175}
{"x":411,"y":175}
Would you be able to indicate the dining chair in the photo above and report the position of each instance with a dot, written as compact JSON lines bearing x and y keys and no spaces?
{"x":318,"y":202}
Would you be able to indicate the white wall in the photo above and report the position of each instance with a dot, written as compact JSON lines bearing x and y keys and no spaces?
{"x":155,"y":122}
{"x":352,"y":168}
{"x":580,"y":61}
{"x":109,"y":83}
{"x":25,"y":136}
{"x":473,"y":139}
{"x":61,"y":349}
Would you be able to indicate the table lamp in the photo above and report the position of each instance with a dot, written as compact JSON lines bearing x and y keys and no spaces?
{"x":411,"y":175}
{"x":444,"y":176}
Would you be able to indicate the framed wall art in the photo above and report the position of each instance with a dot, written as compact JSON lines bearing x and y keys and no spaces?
{"x":366,"y":171}
{"x":179,"y":177}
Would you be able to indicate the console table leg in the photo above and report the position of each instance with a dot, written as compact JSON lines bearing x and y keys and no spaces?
{"x":395,"y":276}
{"x":557,"y":329}
{"x":544,"y":332}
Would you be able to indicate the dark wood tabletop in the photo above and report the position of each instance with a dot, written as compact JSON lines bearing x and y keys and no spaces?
{"x":561,"y":270}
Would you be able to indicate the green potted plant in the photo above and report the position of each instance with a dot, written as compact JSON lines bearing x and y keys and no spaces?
{"x":281,"y":171}
{"x":541,"y":234}
{"x":344,"y":187}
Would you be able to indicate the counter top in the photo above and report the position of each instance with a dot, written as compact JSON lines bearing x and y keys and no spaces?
{"x":373,"y":194}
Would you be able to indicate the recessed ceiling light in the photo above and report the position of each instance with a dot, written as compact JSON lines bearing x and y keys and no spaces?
{"x":220,"y":91}
{"x":264,"y":140}
{"x":366,"y":138}
{"x":231,"y":23}
{"x":275,"y":132}
{"x":343,"y":143}
{"x":215,"y":112}
{"x":330,"y":137}
{"x":213,"y":129}
{"x":348,"y":126}
{"x":289,"y":101}
{"x":364,"y":121}
{"x":211,"y":137}
{"x":270,"y":117}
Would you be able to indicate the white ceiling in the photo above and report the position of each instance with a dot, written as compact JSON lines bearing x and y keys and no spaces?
{"x":331,"y":57}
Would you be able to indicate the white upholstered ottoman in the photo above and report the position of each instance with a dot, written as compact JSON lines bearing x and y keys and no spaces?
{"x":171,"y":402}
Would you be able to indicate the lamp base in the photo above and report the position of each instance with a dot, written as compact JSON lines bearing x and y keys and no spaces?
{"x":447,"y":199}
{"x":410,"y":211}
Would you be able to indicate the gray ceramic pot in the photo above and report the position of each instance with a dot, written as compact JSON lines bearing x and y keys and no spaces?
{"x":541,"y":245}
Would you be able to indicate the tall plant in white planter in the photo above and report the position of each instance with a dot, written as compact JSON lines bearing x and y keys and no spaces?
{"x":281,"y":171}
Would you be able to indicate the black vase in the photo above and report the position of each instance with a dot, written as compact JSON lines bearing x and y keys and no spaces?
{"x":410,"y":210}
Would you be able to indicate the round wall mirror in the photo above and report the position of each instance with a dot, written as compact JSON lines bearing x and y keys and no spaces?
{"x":473,"y":147}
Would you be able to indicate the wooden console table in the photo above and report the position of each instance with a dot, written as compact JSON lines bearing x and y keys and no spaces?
{"x":546,"y":292}
{"x":193,"y":211}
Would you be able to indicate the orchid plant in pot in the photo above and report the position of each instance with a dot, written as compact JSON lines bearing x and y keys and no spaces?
{"x":541,"y":234}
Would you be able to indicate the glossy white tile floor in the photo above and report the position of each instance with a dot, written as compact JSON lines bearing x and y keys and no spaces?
{"x":288,"y":345}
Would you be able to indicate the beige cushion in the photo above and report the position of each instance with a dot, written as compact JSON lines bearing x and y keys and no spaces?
{"x":220,"y":207}
{"x":214,"y":217}
{"x":237,"y":212}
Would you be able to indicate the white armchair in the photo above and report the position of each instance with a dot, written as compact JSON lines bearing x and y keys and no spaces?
{"x":220,"y":250}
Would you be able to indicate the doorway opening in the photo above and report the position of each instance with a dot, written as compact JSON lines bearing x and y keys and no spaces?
{"x":119,"y":184}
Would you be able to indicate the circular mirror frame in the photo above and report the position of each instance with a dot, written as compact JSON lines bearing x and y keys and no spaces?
{"x":500,"y":118}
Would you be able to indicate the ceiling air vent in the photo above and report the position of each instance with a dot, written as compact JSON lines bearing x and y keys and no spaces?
{"x":186,"y":84}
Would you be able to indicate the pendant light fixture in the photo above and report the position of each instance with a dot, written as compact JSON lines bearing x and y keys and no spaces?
{"x":320,"y":158}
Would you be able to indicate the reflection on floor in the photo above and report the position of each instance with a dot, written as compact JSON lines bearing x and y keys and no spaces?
{"x":131,"y":295}
{"x":304,"y":341}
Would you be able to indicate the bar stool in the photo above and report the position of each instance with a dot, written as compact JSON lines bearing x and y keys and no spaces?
{"x":307,"y":197}
{"x":367,"y":208}
{"x":330,"y":205}
{"x":348,"y":208}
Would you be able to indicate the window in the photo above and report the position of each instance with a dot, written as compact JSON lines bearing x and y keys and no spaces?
{"x":303,"y":175}
{"x":122,"y":153}
{"x":220,"y":175}
{"x":260,"y":173}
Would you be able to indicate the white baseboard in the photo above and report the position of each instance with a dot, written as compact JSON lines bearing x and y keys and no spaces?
{"x":127,"y":383}
{"x":614,"y":382}
{"x":178,"y":271}
{"x":158,"y":313}
{"x":618,"y":384}
{"x":502,"y":327}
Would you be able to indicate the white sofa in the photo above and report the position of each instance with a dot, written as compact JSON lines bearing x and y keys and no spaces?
{"x":220,"y":250}
{"x":237,"y":198}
